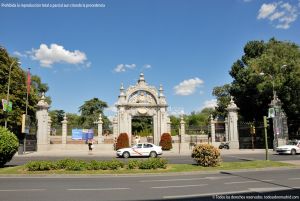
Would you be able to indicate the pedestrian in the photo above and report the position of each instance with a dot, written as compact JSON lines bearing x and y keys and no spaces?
{"x":115,"y":143}
{"x":90,"y":145}
{"x":137,"y":139}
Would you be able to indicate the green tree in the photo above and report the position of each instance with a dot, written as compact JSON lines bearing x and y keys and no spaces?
{"x":90,"y":111}
{"x":18,"y":91}
{"x":57,"y":116}
{"x":280,"y":63}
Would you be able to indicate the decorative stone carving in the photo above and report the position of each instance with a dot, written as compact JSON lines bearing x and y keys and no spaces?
{"x":42,"y":125}
{"x":141,"y":100}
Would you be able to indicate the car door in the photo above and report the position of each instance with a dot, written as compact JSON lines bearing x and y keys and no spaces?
{"x":137,"y":150}
{"x":147,"y":149}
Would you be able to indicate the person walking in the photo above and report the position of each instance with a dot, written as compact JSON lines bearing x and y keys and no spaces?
{"x":90,"y":145}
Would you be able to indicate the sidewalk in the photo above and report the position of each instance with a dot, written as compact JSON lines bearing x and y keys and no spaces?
{"x":111,"y":153}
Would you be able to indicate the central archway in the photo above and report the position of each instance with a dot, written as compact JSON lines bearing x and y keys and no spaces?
{"x":142,"y":100}
{"x":142,"y":127}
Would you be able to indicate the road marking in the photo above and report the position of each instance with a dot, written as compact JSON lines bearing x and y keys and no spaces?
{"x":261,"y":190}
{"x":204,"y":194}
{"x":19,"y":190}
{"x":96,"y":189}
{"x":184,"y":186}
{"x":244,"y":182}
{"x":191,"y":179}
{"x":293,"y":178}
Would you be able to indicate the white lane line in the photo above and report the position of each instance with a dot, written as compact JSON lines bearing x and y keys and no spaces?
{"x":21,"y":190}
{"x":191,"y":179}
{"x":293,"y":178}
{"x":96,"y":189}
{"x":203,"y":194}
{"x":184,"y":186}
{"x":162,"y":180}
{"x":244,"y":182}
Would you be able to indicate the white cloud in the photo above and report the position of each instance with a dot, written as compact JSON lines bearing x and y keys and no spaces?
{"x":276,"y":15}
{"x":210,"y":103}
{"x":175,"y":111}
{"x":130,"y":66}
{"x":266,"y":10}
{"x":120,"y":68}
{"x":188,"y":87}
{"x":47,"y":56}
{"x":280,"y":14}
{"x":147,"y":66}
{"x":19,"y":54}
{"x":123,"y":67}
{"x":112,"y":108}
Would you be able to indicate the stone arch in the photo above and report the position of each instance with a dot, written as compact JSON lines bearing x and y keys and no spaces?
{"x":141,"y":100}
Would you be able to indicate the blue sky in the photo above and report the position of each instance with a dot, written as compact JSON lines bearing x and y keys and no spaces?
{"x":188,"y":46}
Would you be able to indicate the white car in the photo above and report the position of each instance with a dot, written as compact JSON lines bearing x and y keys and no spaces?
{"x":293,"y":147}
{"x":140,"y":149}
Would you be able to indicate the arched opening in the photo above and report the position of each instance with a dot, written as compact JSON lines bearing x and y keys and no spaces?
{"x":142,"y":128}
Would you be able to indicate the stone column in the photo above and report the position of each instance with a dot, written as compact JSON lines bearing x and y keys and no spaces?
{"x":115,"y":127}
{"x":64,"y":130}
{"x":212,"y":130}
{"x":232,"y":125}
{"x":100,"y":129}
{"x":182,"y":129}
{"x":226,"y":129}
{"x":49,"y":128}
{"x":168,"y":125}
{"x":42,"y":124}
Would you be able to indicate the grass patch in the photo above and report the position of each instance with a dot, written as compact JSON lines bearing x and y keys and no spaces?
{"x":170,"y":168}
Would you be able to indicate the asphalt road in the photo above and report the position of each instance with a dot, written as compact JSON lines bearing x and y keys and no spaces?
{"x":172,"y":159}
{"x":264,"y":184}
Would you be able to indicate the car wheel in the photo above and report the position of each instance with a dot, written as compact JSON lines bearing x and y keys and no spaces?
{"x":293,"y":151}
{"x":153,"y":154}
{"x":126,"y":155}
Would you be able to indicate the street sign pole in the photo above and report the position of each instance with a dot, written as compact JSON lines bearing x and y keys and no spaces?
{"x":266,"y":137}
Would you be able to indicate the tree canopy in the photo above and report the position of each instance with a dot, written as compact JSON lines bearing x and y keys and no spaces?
{"x":17,"y":93}
{"x":264,"y":65}
{"x":90,"y":111}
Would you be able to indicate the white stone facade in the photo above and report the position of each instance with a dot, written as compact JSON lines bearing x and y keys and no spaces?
{"x":141,"y":100}
{"x":42,"y":123}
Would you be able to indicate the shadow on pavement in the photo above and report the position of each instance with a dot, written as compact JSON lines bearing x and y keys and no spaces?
{"x":293,"y":194}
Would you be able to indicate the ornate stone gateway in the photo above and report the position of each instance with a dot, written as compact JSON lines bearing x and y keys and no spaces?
{"x":142,"y":100}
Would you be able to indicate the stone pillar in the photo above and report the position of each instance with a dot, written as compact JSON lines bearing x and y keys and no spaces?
{"x":168,"y":125}
{"x":226,"y":129}
{"x":212,"y":130}
{"x":42,"y":123}
{"x":182,"y":129}
{"x":115,"y":127}
{"x":49,"y":128}
{"x":64,"y":130}
{"x":100,"y":129}
{"x":232,"y":125}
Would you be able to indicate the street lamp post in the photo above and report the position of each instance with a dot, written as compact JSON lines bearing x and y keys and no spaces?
{"x":8,"y":87}
{"x":276,"y":105}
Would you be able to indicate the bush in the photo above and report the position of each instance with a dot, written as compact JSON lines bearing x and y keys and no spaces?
{"x":153,"y":163}
{"x":40,"y":165}
{"x":166,"y":141}
{"x":122,"y":141}
{"x":133,"y":164}
{"x":115,"y":164}
{"x":77,"y":165}
{"x":98,"y":165}
{"x":206,"y":155}
{"x":8,"y":145}
{"x":62,"y":164}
